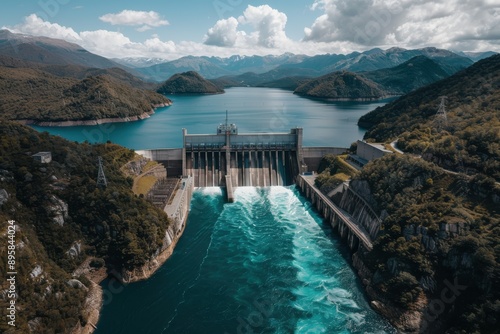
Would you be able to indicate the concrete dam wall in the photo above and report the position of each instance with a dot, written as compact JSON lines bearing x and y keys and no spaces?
{"x":251,"y":159}
{"x":259,"y":168}
{"x":231,"y":159}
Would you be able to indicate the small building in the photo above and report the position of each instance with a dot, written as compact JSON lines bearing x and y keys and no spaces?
{"x":370,"y":151}
{"x":366,"y":152}
{"x":43,"y":157}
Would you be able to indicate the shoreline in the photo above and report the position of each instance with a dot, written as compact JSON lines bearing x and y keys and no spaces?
{"x":91,"y":122}
{"x":94,"y":300}
{"x":346,"y":99}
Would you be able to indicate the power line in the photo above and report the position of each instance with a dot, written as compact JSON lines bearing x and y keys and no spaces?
{"x":101,"y":177}
{"x":441,"y":116}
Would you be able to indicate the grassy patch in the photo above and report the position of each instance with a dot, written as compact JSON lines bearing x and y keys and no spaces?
{"x":144,"y":184}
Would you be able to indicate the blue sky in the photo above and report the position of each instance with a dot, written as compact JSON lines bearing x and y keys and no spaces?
{"x":171,"y":29}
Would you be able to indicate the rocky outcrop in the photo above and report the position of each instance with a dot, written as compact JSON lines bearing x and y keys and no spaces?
{"x":4,"y":196}
{"x":93,"y":301}
{"x":74,"y":283}
{"x":37,"y":271}
{"x":91,"y":310}
{"x":406,"y":321}
{"x":431,"y":241}
{"x":75,"y":250}
{"x":58,"y":209}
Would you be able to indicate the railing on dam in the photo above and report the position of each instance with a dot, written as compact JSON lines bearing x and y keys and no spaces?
{"x":339,"y":219}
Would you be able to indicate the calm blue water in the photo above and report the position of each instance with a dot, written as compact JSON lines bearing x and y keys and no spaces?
{"x":252,"y":109}
{"x":264,"y":264}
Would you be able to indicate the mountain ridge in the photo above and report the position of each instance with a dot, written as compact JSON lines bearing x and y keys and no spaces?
{"x":295,"y":65}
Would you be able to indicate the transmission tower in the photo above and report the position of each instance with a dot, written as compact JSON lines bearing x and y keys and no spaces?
{"x":101,"y":178}
{"x":441,"y":117}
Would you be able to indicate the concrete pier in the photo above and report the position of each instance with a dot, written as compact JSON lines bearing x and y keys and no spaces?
{"x":229,"y":189}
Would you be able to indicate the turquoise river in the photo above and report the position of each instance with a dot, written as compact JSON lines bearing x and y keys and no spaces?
{"x":264,"y":264}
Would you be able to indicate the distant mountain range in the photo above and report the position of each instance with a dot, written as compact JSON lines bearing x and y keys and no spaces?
{"x":301,"y":65}
{"x":370,"y":74}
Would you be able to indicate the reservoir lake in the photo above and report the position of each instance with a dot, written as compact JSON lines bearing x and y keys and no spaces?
{"x":251,"y":109}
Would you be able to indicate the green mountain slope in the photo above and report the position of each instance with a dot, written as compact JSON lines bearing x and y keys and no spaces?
{"x":341,"y":85}
{"x":30,"y":94}
{"x":469,"y":141}
{"x":188,"y":83}
{"x":412,"y":74}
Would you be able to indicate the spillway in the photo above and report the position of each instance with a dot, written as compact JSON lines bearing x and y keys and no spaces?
{"x":252,"y":168}
{"x":248,"y":160}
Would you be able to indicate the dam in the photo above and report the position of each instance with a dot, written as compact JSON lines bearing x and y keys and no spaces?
{"x":252,"y":159}
{"x":228,"y":158}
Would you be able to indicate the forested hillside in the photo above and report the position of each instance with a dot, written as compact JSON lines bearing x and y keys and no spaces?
{"x":63,"y":218}
{"x":188,"y":83}
{"x":31,"y":94}
{"x":440,"y":230}
{"x":440,"y":205}
{"x":468,"y":141}
{"x":341,"y":85}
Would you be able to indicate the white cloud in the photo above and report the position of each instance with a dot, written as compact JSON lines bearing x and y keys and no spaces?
{"x":223,"y":33}
{"x":455,"y":24}
{"x":268,"y":23}
{"x":33,"y":25}
{"x":146,"y":20}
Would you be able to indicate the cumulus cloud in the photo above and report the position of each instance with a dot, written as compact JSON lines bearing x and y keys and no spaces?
{"x":455,"y":24}
{"x":33,"y":25}
{"x":268,"y":23}
{"x":267,"y":29}
{"x":223,"y":33}
{"x":365,"y":22}
{"x":146,"y":20}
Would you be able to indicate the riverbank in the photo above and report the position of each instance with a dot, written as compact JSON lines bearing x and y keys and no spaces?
{"x":142,"y":116}
{"x":177,"y":212}
{"x":95,"y":297}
